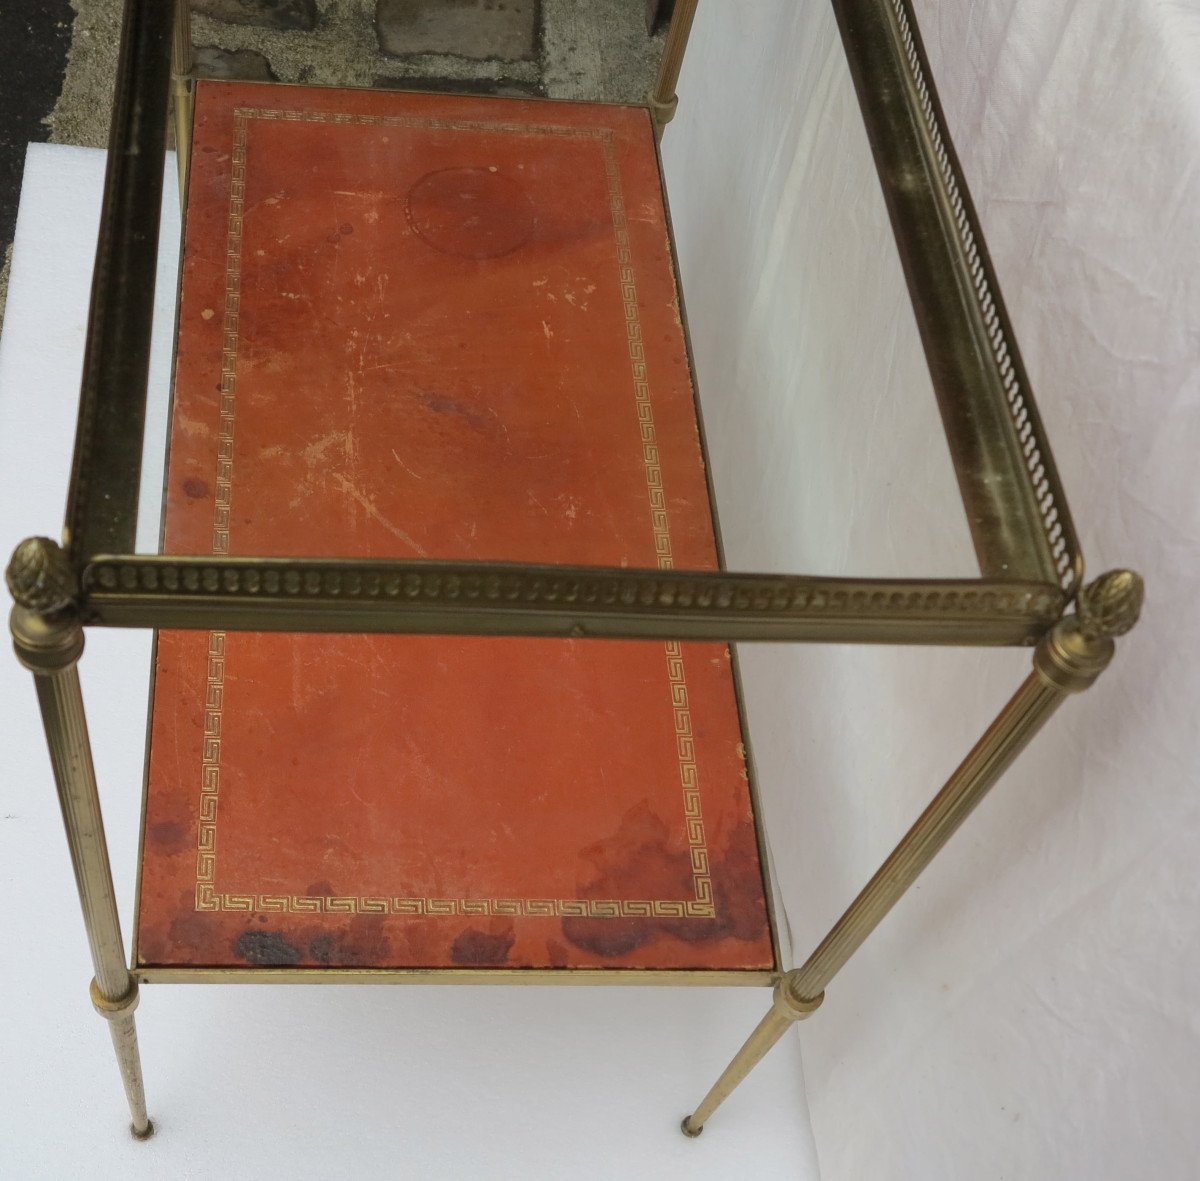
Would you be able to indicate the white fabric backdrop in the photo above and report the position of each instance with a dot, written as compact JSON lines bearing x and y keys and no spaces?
{"x":1030,"y":1010}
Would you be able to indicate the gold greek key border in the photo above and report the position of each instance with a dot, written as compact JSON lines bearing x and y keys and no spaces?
{"x":208,"y":898}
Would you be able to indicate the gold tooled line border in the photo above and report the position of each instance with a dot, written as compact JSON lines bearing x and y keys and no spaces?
{"x":208,"y":898}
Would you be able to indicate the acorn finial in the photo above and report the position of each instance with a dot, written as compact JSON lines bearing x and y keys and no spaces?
{"x":1110,"y":606}
{"x":39,"y":576}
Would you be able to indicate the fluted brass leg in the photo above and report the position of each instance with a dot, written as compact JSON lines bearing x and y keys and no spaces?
{"x":787,"y":1007}
{"x":662,"y":100}
{"x":48,"y":639}
{"x":1069,"y":659}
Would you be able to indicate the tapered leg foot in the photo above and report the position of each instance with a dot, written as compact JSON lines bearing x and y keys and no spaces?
{"x":788,"y":1006}
{"x":119,"y":1014}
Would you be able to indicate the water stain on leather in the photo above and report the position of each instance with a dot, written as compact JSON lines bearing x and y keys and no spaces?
{"x":738,"y":894}
{"x":266,"y":949}
{"x":607,"y":937}
{"x":634,"y":861}
{"x":557,"y":956}
{"x":321,"y":948}
{"x":169,"y":835}
{"x":475,"y":947}
{"x":484,"y":423}
{"x":476,"y":213}
{"x":362,"y":942}
{"x":639,"y":853}
{"x":185,"y":931}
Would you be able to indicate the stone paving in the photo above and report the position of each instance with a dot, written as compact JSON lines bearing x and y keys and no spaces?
{"x":479,"y":29}
{"x":570,"y":49}
{"x":574,"y":49}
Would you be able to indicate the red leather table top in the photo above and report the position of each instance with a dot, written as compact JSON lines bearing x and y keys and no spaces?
{"x":423,"y":326}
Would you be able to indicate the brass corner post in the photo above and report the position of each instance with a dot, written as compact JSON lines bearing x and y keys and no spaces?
{"x":1069,"y":658}
{"x":663,"y":100}
{"x":48,"y":639}
{"x":182,"y":95}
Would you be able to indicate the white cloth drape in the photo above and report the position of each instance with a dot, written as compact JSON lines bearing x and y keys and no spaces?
{"x":1031,"y":1009}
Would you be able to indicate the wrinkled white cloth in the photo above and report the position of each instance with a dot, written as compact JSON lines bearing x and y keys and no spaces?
{"x":1032,"y":1009}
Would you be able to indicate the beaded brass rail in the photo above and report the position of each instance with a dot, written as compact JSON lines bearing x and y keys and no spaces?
{"x":493,"y":598}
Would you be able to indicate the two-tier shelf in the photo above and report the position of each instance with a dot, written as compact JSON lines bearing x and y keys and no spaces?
{"x":444,"y":686}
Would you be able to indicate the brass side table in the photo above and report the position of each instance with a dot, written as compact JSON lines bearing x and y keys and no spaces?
{"x":1029,"y":592}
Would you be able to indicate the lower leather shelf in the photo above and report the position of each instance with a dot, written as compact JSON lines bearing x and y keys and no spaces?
{"x":430,"y":327}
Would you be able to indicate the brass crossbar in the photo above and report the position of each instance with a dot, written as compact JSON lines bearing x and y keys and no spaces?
{"x":480,"y":598}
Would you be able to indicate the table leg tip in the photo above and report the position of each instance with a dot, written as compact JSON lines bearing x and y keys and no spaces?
{"x":688,"y":1130}
{"x":143,"y":1133}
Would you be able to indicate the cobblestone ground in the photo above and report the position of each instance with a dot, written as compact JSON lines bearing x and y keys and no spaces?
{"x":575,"y":49}
{"x":572,"y":49}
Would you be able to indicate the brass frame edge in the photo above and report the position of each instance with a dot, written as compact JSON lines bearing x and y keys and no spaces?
{"x":274,"y":84}
{"x":766,"y":870}
{"x":632,"y":977}
{"x":141,"y":849}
